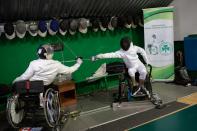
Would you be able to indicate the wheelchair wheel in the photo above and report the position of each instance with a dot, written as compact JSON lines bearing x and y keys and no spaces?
{"x":15,"y":111}
{"x":52,"y":107}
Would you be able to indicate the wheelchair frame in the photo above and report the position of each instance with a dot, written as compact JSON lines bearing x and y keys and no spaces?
{"x":125,"y":83}
{"x":17,"y":108}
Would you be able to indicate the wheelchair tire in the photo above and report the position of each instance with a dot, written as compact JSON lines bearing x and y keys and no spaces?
{"x":52,"y":107}
{"x":15,"y":117}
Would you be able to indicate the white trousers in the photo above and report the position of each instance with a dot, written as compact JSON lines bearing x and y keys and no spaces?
{"x":139,"y":67}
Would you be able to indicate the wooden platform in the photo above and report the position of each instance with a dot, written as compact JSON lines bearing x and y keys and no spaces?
{"x":67,"y":93}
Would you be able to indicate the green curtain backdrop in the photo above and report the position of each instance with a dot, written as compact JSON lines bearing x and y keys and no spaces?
{"x":17,"y":53}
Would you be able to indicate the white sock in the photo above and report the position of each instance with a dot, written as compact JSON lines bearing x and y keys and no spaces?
{"x":137,"y":91}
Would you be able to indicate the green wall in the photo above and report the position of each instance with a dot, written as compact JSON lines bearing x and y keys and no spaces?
{"x":17,"y":53}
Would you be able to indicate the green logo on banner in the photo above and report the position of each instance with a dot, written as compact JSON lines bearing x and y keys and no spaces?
{"x":165,"y":48}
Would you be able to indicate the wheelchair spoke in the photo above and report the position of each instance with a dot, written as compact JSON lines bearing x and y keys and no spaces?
{"x":15,"y":111}
{"x":52,"y":108}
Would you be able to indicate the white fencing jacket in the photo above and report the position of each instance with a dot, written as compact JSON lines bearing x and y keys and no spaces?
{"x":46,"y":70}
{"x":129,"y":57}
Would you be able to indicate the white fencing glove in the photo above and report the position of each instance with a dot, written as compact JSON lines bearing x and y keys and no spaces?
{"x":94,"y":58}
{"x":79,"y":61}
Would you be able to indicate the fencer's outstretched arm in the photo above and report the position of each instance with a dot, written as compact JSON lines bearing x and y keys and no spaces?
{"x":143,"y":53}
{"x":27,"y":74}
{"x":68,"y":70}
{"x":109,"y":55}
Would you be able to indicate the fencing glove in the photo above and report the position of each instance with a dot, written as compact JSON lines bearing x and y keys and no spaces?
{"x":79,"y":61}
{"x":94,"y":58}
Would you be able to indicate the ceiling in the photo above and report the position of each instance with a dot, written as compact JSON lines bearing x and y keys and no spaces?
{"x":12,"y":10}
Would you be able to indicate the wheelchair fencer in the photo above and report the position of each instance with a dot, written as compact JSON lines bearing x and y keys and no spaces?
{"x":24,"y":104}
{"x":128,"y":91}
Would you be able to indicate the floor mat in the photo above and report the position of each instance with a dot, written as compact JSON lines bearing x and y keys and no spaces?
{"x":190,"y":99}
{"x":180,"y":120}
{"x":137,"y":119}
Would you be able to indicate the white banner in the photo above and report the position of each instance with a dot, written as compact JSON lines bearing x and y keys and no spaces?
{"x":159,"y":41}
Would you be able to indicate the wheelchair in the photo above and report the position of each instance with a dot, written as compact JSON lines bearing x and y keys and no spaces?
{"x":23,"y":106}
{"x":128,"y":92}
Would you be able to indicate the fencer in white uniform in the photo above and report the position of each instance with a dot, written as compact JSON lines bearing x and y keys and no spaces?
{"x":128,"y":53}
{"x":45,"y":68}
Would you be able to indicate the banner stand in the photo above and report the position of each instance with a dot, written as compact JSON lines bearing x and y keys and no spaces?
{"x":159,"y":42}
